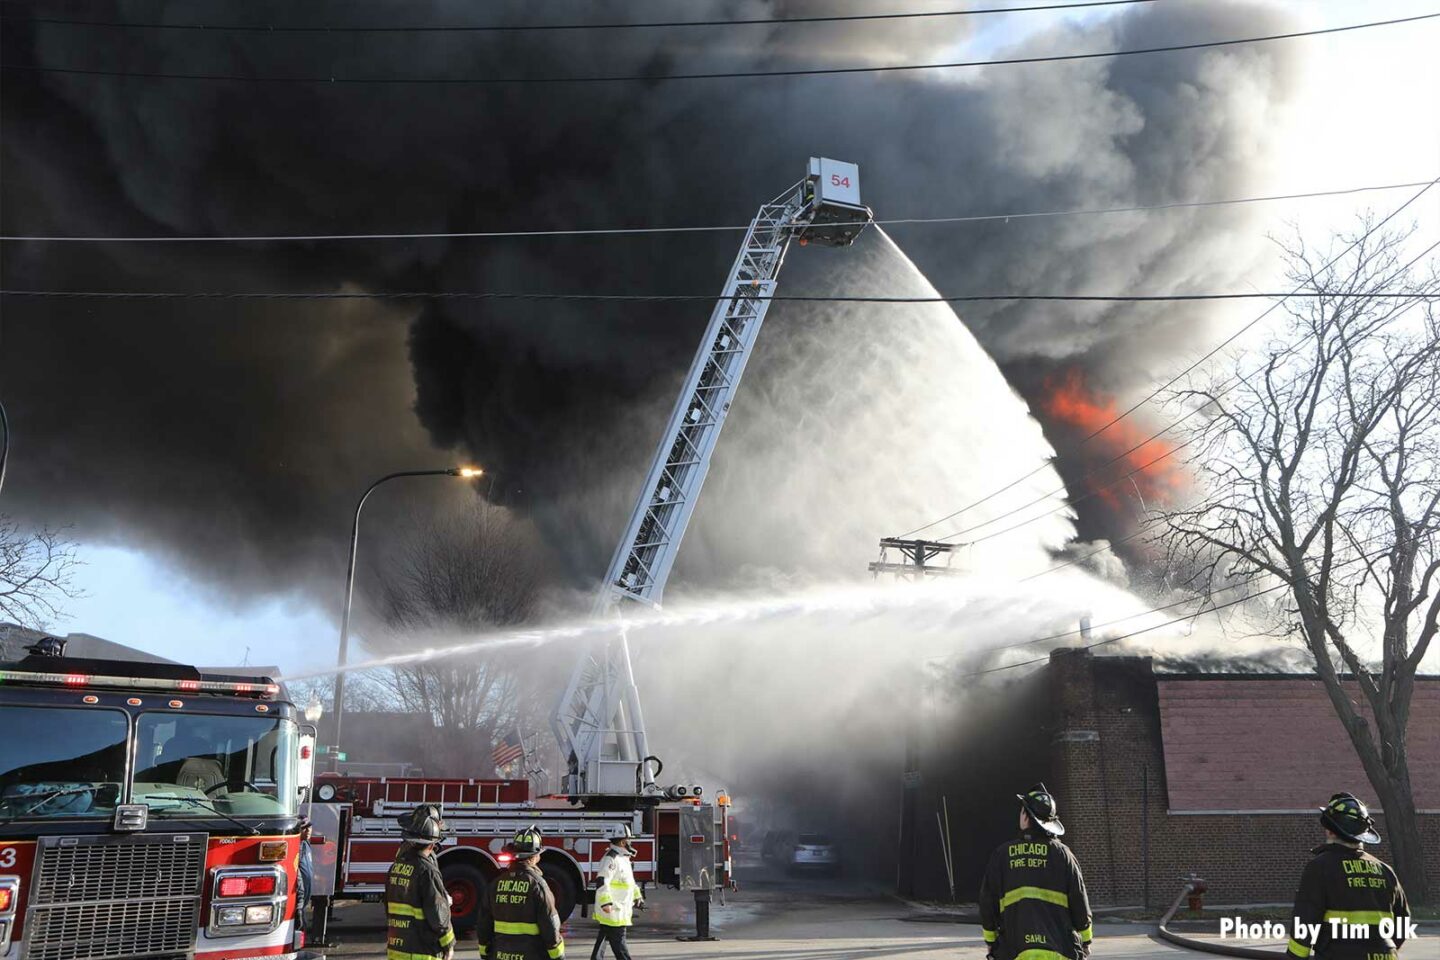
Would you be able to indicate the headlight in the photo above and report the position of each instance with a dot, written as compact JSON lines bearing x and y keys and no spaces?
{"x":246,"y":900}
{"x":259,"y":914}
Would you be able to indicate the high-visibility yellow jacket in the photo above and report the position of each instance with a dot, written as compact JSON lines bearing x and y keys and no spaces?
{"x":618,"y":892}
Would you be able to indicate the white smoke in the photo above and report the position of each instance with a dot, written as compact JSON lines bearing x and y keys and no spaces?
{"x":854,"y":422}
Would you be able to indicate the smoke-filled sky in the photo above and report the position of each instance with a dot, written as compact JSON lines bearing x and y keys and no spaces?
{"x":206,"y":454}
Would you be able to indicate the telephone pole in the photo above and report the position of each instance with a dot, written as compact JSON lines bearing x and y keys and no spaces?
{"x":915,"y":557}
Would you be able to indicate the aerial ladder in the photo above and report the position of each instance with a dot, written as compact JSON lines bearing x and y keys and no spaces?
{"x":598,"y":721}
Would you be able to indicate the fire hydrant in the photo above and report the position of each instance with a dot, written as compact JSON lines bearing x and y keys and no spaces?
{"x":1197,"y":892}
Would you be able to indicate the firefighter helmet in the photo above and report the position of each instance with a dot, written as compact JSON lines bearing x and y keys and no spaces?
{"x":1041,"y":807}
{"x":1346,"y":816}
{"x":624,"y":838}
{"x":424,"y":824}
{"x":526,"y":843}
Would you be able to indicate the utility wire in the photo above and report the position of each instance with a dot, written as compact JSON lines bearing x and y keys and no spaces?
{"x":641,"y":231}
{"x":678,"y":297}
{"x":537,"y":27}
{"x":1073,"y":561}
{"x":1093,"y":492}
{"x":1234,"y":336}
{"x":1226,"y":390}
{"x":1167,"y":384}
{"x":1228,"y":387}
{"x":1204,"y":608}
{"x":1134,"y":633}
{"x":726,"y":75}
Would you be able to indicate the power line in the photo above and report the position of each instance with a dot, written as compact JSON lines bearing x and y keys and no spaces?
{"x":537,"y":27}
{"x":678,"y":297}
{"x":1231,"y":385}
{"x":1297,"y":293}
{"x":1089,"y":473}
{"x":1126,"y":636}
{"x":1134,"y":633}
{"x":1095,"y":491}
{"x":1231,"y":339}
{"x":1204,"y":600}
{"x":1111,"y":545}
{"x":726,"y":75}
{"x":1095,"y":471}
{"x":739,"y":228}
{"x":1245,"y":581}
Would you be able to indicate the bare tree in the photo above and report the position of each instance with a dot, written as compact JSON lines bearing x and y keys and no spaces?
{"x":457,"y":576}
{"x":362,"y":693}
{"x":36,"y":574}
{"x":1319,"y":473}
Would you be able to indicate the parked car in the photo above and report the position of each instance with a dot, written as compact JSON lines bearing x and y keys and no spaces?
{"x":814,"y":852}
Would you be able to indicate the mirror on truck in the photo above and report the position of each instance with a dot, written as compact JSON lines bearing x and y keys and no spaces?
{"x":305,"y":769}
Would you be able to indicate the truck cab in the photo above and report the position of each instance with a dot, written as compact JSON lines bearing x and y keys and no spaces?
{"x":146,"y":810}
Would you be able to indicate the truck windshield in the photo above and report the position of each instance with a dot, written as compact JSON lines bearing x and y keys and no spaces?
{"x":203,"y":765}
{"x":58,"y":762}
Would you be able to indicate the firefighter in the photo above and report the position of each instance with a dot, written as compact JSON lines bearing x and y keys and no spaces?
{"x":618,"y":895}
{"x":1350,"y":905}
{"x":304,"y":883}
{"x":1032,"y":900}
{"x":518,"y":920}
{"x":416,"y":905}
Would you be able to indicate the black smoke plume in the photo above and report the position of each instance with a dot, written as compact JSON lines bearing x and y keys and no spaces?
{"x":233,"y":436}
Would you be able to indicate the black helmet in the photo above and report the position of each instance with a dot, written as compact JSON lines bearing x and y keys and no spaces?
{"x":1346,"y":816}
{"x":48,"y":647}
{"x":526,"y":843}
{"x":1042,"y":809}
{"x":424,"y":824}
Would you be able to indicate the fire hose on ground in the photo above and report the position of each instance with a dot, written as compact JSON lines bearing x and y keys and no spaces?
{"x":1194,"y":887}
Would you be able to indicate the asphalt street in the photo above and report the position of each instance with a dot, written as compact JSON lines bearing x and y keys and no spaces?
{"x":777,"y":917}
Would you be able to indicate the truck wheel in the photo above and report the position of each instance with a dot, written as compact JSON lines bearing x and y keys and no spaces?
{"x":562,"y":887}
{"x":466,"y":885}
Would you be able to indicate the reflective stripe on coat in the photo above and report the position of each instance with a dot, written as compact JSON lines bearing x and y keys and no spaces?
{"x":615,"y":899}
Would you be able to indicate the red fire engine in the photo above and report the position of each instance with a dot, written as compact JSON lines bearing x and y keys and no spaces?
{"x":357,"y":835}
{"x":146,"y":810}
{"x":598,"y":724}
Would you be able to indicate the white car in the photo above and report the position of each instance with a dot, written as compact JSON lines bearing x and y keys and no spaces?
{"x":814,"y":852}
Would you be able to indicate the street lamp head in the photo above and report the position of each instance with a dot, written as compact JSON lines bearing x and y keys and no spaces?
{"x":313,"y":710}
{"x":467,"y":472}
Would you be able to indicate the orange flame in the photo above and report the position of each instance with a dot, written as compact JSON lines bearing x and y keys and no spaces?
{"x":1124,"y":454}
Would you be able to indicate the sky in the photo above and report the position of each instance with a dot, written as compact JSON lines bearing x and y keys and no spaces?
{"x":284,"y":422}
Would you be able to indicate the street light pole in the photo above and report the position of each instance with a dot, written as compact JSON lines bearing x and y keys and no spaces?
{"x":5,"y":445}
{"x":467,"y":472}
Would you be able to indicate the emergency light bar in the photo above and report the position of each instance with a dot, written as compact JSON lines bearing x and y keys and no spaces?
{"x":260,"y":691}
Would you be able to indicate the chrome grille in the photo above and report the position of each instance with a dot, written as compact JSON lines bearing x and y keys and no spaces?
{"x":98,"y":898}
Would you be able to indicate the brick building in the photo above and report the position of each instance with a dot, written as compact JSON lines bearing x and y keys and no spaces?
{"x":1159,"y":775}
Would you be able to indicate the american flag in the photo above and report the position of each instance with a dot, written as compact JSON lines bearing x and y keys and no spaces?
{"x":506,"y":752}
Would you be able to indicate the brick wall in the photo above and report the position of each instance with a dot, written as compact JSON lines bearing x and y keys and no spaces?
{"x":1108,"y":762}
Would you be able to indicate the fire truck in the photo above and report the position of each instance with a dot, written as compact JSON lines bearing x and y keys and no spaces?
{"x":146,"y":810}
{"x":610,"y":776}
{"x":357,"y":835}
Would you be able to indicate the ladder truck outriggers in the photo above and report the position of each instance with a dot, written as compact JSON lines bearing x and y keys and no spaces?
{"x":610,"y":776}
